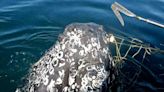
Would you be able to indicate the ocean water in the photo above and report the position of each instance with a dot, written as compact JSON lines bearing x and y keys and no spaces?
{"x":29,"y":27}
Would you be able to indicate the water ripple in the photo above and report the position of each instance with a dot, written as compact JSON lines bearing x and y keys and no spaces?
{"x":20,"y":5}
{"x":4,"y":19}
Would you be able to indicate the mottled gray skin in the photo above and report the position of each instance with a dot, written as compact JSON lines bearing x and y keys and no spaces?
{"x":80,"y":61}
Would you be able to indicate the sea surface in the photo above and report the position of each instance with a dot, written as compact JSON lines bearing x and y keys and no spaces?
{"x":28,"y":28}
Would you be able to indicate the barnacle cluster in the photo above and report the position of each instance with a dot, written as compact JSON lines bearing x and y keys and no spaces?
{"x":80,"y":61}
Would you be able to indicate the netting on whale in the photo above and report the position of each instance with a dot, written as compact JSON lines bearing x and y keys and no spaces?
{"x":130,"y":55}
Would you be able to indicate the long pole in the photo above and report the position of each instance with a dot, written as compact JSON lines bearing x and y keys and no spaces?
{"x":117,"y":8}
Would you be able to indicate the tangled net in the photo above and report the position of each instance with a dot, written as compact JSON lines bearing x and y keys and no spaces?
{"x":129,"y":55}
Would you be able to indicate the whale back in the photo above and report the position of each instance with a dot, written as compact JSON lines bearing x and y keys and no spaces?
{"x":80,"y":61}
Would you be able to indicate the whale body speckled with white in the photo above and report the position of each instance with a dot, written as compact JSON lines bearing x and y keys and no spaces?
{"x":80,"y":61}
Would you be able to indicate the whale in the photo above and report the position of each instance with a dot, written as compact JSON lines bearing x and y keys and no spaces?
{"x":79,"y":61}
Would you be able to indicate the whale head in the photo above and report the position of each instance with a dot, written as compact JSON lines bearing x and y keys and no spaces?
{"x":80,"y":61}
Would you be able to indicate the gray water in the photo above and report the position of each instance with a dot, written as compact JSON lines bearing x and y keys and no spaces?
{"x":29,"y":27}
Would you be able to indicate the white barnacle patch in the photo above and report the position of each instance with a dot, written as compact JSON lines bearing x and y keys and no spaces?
{"x":63,"y":46}
{"x":71,"y":54}
{"x":37,"y":81}
{"x":18,"y":90}
{"x":74,"y":39}
{"x":68,"y":60}
{"x":94,"y":42}
{"x":81,"y":52}
{"x":100,"y":60}
{"x":89,"y":77}
{"x":74,"y":50}
{"x":53,"y":54}
{"x":65,"y":89}
{"x":106,"y":39}
{"x":79,"y":32}
{"x":58,"y":81}
{"x":89,"y":46}
{"x":98,"y":45}
{"x":94,"y":53}
{"x":75,"y":29}
{"x":73,"y":72}
{"x":32,"y":89}
{"x":81,"y":64}
{"x":84,"y":84}
{"x":60,"y":55}
{"x":68,"y":33}
{"x":51,"y":70}
{"x":61,"y":64}
{"x":55,"y":61}
{"x":61,"y":73}
{"x":71,"y":80}
{"x":96,"y":83}
{"x":86,"y":50}
{"x":80,"y":61}
{"x":93,"y":77}
{"x":72,"y":64}
{"x":72,"y":59}
{"x":89,"y":68}
{"x":77,"y":86}
{"x":50,"y":87}
{"x":105,"y":51}
{"x":73,"y":86}
{"x":57,"y":46}
{"x":77,"y":41}
{"x":45,"y":80}
{"x":72,"y":33}
{"x":102,"y":75}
